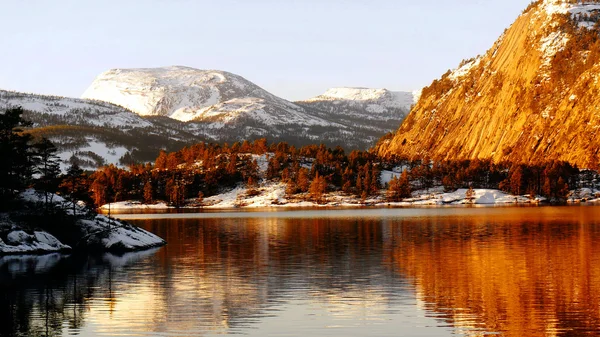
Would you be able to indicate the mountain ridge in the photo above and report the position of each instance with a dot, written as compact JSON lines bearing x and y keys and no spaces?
{"x":226,"y":107}
{"x":96,"y":133}
{"x":189,"y":94}
{"x":524,"y":100}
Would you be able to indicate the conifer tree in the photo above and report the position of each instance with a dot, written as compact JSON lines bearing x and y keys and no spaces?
{"x":303,"y":182}
{"x":47,"y":168}
{"x":399,"y":188}
{"x":161,"y":161}
{"x":317,"y":188}
{"x":74,"y":185}
{"x":148,"y":192}
{"x":15,"y":164}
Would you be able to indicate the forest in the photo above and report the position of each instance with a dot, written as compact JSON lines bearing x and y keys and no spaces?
{"x":309,"y":172}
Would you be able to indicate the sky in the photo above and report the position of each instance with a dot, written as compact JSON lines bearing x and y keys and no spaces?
{"x":295,"y":49}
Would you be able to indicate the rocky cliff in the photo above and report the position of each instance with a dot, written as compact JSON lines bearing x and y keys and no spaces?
{"x":534,"y":96}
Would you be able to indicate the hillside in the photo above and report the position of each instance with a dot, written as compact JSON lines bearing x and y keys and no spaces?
{"x":94,"y":133}
{"x":225,"y":107}
{"x":532,"y":97}
{"x":374,"y":112}
{"x":188,"y":94}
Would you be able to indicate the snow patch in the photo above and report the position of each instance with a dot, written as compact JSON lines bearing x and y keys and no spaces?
{"x":552,"y":44}
{"x":18,"y":241}
{"x":464,"y":69}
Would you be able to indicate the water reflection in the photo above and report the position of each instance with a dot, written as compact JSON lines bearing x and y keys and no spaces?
{"x":529,"y":272}
{"x":529,"y":278}
{"x":47,"y":295}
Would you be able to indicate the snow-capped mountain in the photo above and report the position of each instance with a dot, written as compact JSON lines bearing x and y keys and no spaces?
{"x":94,"y":133}
{"x":532,"y":97}
{"x":373,"y":101}
{"x":374,"y":111}
{"x":225,"y":107}
{"x":189,"y":94}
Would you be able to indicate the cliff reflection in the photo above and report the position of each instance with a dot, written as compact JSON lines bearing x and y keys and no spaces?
{"x":520,"y":274}
{"x":535,"y":277}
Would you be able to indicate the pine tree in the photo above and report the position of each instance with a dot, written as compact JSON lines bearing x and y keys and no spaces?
{"x":148,"y":192}
{"x":74,"y":185}
{"x":303,"y":182}
{"x":273,"y":168}
{"x":399,"y":188}
{"x":15,"y":166}
{"x":317,"y":188}
{"x":175,"y":191}
{"x":470,"y":195}
{"x":103,"y":187}
{"x":161,"y":161}
{"x":47,"y":169}
{"x":250,"y":173}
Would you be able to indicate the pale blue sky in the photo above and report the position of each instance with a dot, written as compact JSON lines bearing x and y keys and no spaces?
{"x":295,"y":49}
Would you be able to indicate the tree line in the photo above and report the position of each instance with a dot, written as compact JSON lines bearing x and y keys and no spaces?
{"x":29,"y":162}
{"x":308,"y":172}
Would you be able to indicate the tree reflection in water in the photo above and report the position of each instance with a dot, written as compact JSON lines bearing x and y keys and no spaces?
{"x":519,"y":272}
{"x":45,"y":295}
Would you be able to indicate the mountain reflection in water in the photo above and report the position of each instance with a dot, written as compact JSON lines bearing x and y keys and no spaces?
{"x":517,"y":272}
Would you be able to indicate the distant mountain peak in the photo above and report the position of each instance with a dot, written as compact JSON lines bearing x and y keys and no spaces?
{"x":189,"y":94}
{"x":358,"y":96}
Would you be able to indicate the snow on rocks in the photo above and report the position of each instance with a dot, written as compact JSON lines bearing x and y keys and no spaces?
{"x":132,"y":204}
{"x":376,"y":101}
{"x":96,"y":232}
{"x":556,"y":40}
{"x":584,"y":195}
{"x":464,"y":69}
{"x":18,"y":241}
{"x":96,"y":113}
{"x":552,"y":44}
{"x":113,"y":235}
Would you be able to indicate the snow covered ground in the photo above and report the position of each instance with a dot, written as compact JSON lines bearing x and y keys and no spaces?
{"x":273,"y":195}
{"x":97,"y":232}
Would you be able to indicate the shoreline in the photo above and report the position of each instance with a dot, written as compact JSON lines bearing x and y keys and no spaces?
{"x":272,"y":197}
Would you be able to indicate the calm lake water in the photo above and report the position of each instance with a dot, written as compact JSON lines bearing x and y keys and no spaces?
{"x":532,"y":271}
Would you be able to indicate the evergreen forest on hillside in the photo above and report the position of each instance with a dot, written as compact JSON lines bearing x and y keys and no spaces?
{"x":309,"y":172}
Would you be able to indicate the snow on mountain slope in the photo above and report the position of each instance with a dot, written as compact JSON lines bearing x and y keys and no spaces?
{"x":370,"y":112}
{"x":225,"y":107}
{"x":189,"y":94}
{"x":364,"y":101}
{"x":74,"y":110}
{"x":94,"y":133}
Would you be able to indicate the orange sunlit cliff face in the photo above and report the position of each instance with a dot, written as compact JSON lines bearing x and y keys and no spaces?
{"x":520,"y":280}
{"x":533,"y":97}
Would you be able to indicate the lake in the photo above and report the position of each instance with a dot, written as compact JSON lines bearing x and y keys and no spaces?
{"x":517,"y":271}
